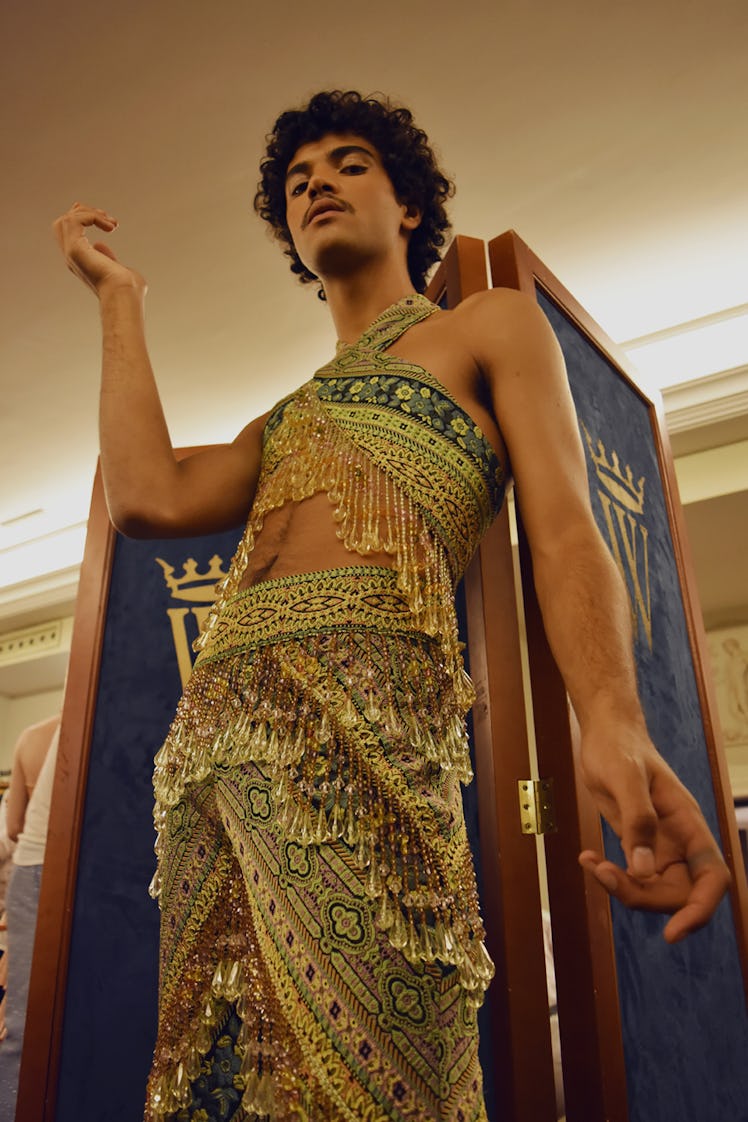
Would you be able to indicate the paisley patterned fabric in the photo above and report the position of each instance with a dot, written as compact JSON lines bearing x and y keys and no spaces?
{"x":322,"y":952}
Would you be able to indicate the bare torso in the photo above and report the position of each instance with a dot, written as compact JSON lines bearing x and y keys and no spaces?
{"x":300,"y":537}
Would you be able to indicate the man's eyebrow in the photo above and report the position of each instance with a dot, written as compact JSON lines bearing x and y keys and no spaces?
{"x":335,"y":155}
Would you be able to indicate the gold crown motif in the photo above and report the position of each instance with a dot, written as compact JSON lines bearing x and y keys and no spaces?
{"x":193,"y":585}
{"x":622,"y":487}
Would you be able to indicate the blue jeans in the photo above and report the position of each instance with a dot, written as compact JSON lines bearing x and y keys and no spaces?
{"x":21,"y":904}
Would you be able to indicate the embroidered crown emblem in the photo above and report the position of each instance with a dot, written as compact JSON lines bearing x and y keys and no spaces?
{"x":619,"y":485}
{"x":193,"y":585}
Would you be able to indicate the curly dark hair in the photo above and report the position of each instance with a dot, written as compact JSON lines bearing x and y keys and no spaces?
{"x":406,"y":156}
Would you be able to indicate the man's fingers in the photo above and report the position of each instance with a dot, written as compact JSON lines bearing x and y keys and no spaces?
{"x":71,"y":226}
{"x":654,"y":895}
{"x":638,"y":824}
{"x":606,"y":872}
{"x":657,"y":894}
{"x":93,"y":262}
{"x":588,"y":859}
{"x":690,"y":890}
{"x":683,"y":923}
{"x":92,"y":216}
{"x":698,"y":911}
{"x":710,"y":880}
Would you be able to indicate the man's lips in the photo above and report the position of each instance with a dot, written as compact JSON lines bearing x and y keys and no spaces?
{"x":322,"y":206}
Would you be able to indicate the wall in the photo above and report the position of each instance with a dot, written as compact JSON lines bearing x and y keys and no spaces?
{"x":728,"y":651}
{"x":16,"y":714}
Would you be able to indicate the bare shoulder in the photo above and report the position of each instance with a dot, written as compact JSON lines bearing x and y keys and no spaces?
{"x":251,"y":435}
{"x":505,"y":327}
{"x":508,"y":333}
{"x":497,"y":308}
{"x":36,"y":737}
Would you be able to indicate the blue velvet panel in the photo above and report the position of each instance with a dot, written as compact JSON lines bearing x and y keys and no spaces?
{"x":683,"y":1008}
{"x":110,"y":1011}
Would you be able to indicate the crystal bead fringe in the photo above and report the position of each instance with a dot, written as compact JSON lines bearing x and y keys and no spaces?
{"x":309,"y":453}
{"x":326,"y":739}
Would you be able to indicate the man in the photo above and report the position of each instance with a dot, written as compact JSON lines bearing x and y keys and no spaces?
{"x":319,"y":913}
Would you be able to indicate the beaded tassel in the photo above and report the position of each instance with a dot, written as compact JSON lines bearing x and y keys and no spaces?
{"x":309,"y":453}
{"x":317,"y":730}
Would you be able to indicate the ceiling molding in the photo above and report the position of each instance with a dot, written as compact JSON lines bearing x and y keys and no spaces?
{"x":37,"y":599}
{"x":682,"y":328}
{"x":705,"y":401}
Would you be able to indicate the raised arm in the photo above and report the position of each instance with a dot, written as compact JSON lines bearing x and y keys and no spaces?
{"x":149,"y":492}
{"x":673,"y":862}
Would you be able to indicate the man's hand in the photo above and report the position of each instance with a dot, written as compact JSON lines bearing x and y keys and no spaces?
{"x":674,"y":864}
{"x":95,"y":264}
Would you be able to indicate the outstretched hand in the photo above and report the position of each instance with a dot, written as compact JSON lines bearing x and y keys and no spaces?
{"x":93,"y":263}
{"x":673,"y":862}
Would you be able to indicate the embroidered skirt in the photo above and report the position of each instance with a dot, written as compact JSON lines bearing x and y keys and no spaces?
{"x":322,"y":954}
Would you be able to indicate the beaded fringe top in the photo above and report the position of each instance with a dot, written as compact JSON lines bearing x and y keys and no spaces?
{"x":406,"y":469}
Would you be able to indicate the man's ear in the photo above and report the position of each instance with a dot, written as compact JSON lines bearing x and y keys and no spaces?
{"x":412,"y":216}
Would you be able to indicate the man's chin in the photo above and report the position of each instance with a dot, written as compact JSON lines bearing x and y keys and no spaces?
{"x":337,"y":260}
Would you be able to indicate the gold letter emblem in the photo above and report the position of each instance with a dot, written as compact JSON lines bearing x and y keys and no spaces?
{"x":622,"y":499}
{"x":199,"y":589}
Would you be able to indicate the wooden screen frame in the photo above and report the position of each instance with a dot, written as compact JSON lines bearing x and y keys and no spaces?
{"x":581,"y":914}
{"x":518,"y":1000}
{"x":40,"y":1063}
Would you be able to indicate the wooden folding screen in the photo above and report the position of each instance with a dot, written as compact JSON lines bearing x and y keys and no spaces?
{"x":674,"y":1017}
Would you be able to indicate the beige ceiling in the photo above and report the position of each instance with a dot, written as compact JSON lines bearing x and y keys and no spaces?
{"x":611,"y":137}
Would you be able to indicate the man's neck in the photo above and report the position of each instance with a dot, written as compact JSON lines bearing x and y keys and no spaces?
{"x":356,"y":301}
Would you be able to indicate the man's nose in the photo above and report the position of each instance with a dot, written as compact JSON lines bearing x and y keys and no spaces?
{"x":319,"y":185}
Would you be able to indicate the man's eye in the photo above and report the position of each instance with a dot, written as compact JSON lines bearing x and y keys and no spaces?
{"x":298,"y":188}
{"x":353,"y":169}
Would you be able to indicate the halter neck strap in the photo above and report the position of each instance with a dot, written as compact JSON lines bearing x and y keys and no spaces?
{"x":391,"y":324}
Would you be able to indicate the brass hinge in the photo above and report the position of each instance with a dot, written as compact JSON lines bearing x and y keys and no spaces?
{"x":537,"y":808}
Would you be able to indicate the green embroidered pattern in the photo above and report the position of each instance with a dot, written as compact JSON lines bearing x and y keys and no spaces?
{"x":336,"y":1025}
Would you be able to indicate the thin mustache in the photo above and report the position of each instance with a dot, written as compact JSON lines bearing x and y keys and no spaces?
{"x":337,"y":204}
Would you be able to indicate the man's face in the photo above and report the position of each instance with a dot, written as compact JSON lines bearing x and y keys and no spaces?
{"x":341,"y":207}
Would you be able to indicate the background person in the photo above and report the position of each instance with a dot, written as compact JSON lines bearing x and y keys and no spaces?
{"x":30,"y":794}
